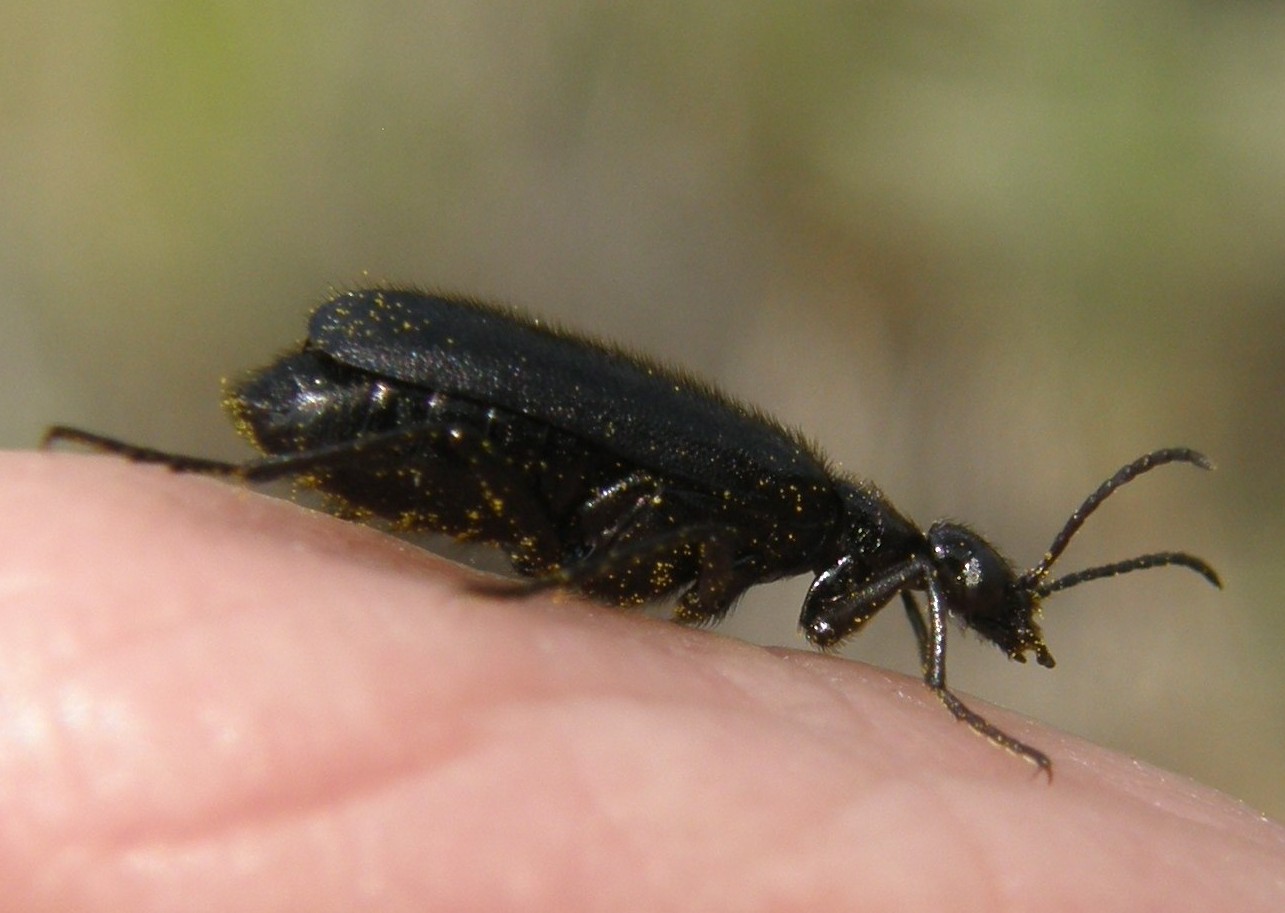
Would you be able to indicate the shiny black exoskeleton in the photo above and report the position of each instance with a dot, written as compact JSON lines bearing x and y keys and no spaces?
{"x":606,"y":474}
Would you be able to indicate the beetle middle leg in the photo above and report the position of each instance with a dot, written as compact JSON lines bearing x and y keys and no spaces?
{"x":700,"y":558}
{"x":627,"y":508}
{"x":636,"y":567}
{"x":641,"y":544}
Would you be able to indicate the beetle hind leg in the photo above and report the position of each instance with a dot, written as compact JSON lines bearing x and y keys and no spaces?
{"x":63,"y":434}
{"x":445,"y":478}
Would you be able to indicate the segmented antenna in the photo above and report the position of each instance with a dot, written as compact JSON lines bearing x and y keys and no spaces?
{"x":1033,"y":580}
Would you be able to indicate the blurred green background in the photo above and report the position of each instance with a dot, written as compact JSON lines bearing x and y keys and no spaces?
{"x":983,"y":253}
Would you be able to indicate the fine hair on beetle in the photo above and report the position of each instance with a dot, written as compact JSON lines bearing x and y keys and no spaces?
{"x":606,"y":474}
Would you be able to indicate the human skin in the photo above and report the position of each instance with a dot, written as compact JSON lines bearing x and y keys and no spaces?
{"x":213,"y":700}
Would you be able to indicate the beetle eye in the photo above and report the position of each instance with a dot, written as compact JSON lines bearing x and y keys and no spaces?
{"x":975,"y":578}
{"x":981,"y":588}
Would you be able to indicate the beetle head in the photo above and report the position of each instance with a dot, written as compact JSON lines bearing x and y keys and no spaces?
{"x":982,"y":590}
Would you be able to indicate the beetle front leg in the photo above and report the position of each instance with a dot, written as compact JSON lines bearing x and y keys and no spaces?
{"x":932,"y":650}
{"x":918,"y":625}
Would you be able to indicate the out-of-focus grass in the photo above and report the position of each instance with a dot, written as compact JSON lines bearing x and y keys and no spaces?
{"x":984,"y":255}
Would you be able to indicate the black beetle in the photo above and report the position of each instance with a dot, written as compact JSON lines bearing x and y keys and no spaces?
{"x":604,"y":473}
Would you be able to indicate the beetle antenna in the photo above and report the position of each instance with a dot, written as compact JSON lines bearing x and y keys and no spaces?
{"x":1141,"y":563}
{"x":1032,"y":579}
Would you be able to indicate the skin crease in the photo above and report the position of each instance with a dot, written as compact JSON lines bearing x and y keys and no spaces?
{"x":211,"y":700}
